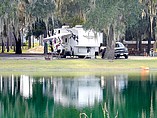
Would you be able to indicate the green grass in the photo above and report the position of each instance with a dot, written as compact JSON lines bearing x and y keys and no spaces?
{"x":85,"y":64}
{"x":75,"y":66}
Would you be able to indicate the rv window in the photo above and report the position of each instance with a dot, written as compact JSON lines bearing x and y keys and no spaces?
{"x":117,"y":45}
{"x":66,"y":40}
{"x":58,"y":31}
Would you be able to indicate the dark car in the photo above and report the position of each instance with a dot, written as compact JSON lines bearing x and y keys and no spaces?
{"x":120,"y":50}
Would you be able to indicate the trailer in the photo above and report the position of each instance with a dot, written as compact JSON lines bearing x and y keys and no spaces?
{"x":76,"y":41}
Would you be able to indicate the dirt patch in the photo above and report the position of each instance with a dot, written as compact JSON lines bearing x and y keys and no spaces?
{"x":38,"y":49}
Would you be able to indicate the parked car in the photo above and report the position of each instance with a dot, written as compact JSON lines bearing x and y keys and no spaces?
{"x":120,"y":50}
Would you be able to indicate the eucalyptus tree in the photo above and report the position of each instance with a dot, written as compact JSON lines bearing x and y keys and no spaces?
{"x":38,"y":9}
{"x":6,"y":14}
{"x":12,"y":16}
{"x":112,"y":16}
{"x":38,"y":29}
{"x":20,"y":14}
{"x":18,"y":24}
{"x":72,"y":11}
{"x":150,"y":13}
{"x":138,"y":32}
{"x":81,"y":9}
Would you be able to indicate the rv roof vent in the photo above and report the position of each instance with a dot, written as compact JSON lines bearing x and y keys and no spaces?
{"x":78,"y":26}
{"x":65,"y":26}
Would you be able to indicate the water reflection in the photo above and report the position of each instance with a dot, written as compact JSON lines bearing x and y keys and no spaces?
{"x":57,"y":97}
{"x":79,"y":92}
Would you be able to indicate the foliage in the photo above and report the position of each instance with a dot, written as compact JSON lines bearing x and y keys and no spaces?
{"x":138,"y":29}
{"x":57,"y":23}
{"x":50,"y":24}
{"x":40,"y":8}
{"x":124,"y":15}
{"x":7,"y":8}
{"x":72,"y":11}
{"x":107,"y":12}
{"x":72,"y":21}
{"x":38,"y":28}
{"x":112,"y":17}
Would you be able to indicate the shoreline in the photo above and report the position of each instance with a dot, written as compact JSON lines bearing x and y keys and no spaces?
{"x":41,"y":56}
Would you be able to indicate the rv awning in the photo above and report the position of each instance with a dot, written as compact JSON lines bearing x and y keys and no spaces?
{"x":56,"y":36}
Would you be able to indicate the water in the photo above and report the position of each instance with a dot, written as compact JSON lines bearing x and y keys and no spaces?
{"x":121,"y":96}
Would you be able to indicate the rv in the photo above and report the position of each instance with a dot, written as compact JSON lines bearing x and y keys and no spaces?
{"x":76,"y":41}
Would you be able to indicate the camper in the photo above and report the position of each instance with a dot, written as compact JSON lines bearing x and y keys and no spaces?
{"x":76,"y":41}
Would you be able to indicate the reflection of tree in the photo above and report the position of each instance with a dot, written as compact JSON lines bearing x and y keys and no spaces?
{"x":137,"y":99}
{"x":120,"y":93}
{"x":12,"y":104}
{"x":112,"y":95}
{"x":43,"y":106}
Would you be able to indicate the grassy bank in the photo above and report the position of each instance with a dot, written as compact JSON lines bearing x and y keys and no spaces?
{"x":68,"y":66}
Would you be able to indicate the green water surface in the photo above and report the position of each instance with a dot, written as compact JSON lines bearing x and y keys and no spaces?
{"x":120,"y":96}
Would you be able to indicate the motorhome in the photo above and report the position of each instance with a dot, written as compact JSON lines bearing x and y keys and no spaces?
{"x":76,"y":41}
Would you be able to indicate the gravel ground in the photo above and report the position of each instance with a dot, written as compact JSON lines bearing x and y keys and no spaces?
{"x":42,"y":57}
{"x":22,"y":56}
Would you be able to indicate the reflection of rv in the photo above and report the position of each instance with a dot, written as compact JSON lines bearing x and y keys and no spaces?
{"x":26,"y":86}
{"x":76,"y":41}
{"x":77,"y":92}
{"x":120,"y":81}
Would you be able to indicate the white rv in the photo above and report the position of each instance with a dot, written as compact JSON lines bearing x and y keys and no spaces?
{"x":76,"y":41}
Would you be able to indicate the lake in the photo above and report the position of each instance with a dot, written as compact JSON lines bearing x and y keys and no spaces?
{"x":90,"y":96}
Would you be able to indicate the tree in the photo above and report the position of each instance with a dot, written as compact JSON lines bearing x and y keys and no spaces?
{"x":38,"y":28}
{"x":20,"y":15}
{"x":72,"y":12}
{"x":13,"y":18}
{"x":38,"y":13}
{"x":18,"y":25}
{"x":112,"y":17}
{"x":150,"y":11}
{"x":137,"y":32}
{"x":6,"y":14}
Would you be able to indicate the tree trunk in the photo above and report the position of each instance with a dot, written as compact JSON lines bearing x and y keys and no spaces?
{"x":21,"y":38}
{"x":2,"y":46}
{"x":29,"y":42}
{"x":40,"y":41}
{"x":18,"y":45}
{"x":15,"y":46}
{"x":45,"y":48}
{"x":18,"y":49}
{"x":33,"y":41}
{"x":140,"y":44}
{"x":154,"y":28}
{"x":110,"y":44}
{"x":45,"y":44}
{"x":7,"y":44}
{"x":29,"y":38}
{"x":149,"y":36}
